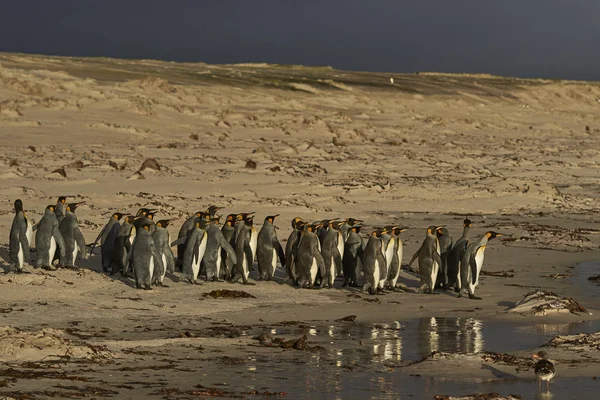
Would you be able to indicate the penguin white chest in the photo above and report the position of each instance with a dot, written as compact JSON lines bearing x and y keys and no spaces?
{"x":376,"y":274}
{"x":20,"y":255}
{"x":29,"y":233}
{"x":313,"y":271}
{"x":479,"y":256}
{"x":75,"y":250}
{"x":274,"y":261}
{"x":52,"y":250}
{"x":151,"y":267}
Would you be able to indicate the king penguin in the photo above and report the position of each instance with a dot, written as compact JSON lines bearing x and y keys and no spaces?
{"x":373,"y":261}
{"x":20,"y":239}
{"x":308,"y":259}
{"x":74,"y":241}
{"x":228,"y":230}
{"x":472,"y":262}
{"x":215,"y":246}
{"x":184,"y":231}
{"x":445,"y":242}
{"x":59,"y":210}
{"x":268,"y":249}
{"x":107,"y":237}
{"x":123,"y":243}
{"x":147,"y":263}
{"x":195,"y":247}
{"x":353,"y":253}
{"x":332,"y":250}
{"x":394,"y":269}
{"x":388,"y":247}
{"x":455,"y":256}
{"x":162,"y":241}
{"x":290,"y":249}
{"x":429,"y":260}
{"x":350,"y":222}
{"x":48,"y":240}
{"x":245,"y":250}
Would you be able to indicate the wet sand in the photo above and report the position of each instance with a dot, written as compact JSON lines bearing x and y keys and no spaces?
{"x":519,"y":156}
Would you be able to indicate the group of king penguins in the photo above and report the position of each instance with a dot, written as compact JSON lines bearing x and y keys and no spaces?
{"x":316,"y":253}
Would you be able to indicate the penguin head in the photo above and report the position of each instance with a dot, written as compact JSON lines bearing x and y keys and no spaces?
{"x":216,"y":220}
{"x":243,"y":216}
{"x":146,"y":226}
{"x":18,"y":205}
{"x":62,"y":199}
{"x":352,"y":221}
{"x":389,"y":229}
{"x":249,"y":220}
{"x":151,"y":213}
{"x":129,"y":219}
{"x":398,"y":230}
{"x":142,"y":212}
{"x":51,"y":207}
{"x":212,"y":210}
{"x":441,"y":232}
{"x":296,"y":221}
{"x":376,"y":232}
{"x":491,"y":235}
{"x":337,"y":224}
{"x":73,"y":206}
{"x":300,"y":224}
{"x":356,"y":228}
{"x":467,"y":222}
{"x":163,"y":223}
{"x":230,"y":217}
{"x":118,"y":216}
{"x":271,"y":218}
{"x":432,"y":230}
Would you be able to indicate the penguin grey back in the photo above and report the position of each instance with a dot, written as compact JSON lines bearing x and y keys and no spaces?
{"x":18,"y":240}
{"x":373,"y":259}
{"x":48,"y":239}
{"x":146,"y":262}
{"x":268,"y":249}
{"x":308,"y":259}
{"x":73,"y":238}
{"x":353,"y":253}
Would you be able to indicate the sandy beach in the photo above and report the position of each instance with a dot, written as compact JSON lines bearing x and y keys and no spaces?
{"x":520,"y":157}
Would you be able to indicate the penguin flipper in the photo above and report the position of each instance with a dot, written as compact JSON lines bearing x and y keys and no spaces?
{"x":25,"y":244}
{"x":249,"y":256}
{"x":280,"y":254}
{"x":80,"y":243}
{"x":35,"y":227}
{"x":414,"y":257}
{"x":60,"y":243}
{"x":170,"y":259}
{"x":179,"y":241}
{"x":159,"y":267}
{"x":437,"y":258}
{"x":231,"y":257}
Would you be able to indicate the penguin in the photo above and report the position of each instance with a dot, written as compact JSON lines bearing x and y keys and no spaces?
{"x":20,"y":239}
{"x":472,"y":262}
{"x":145,"y":259}
{"x":245,"y":250}
{"x":455,"y":256}
{"x":332,"y":250}
{"x":268,"y":249}
{"x":74,"y":241}
{"x":445,"y":242}
{"x":350,"y":222}
{"x":388,"y":247}
{"x":59,"y":210}
{"x":308,"y":260}
{"x":184,"y":231}
{"x":123,"y":242}
{"x":429,"y":260}
{"x":290,"y":248}
{"x":195,"y":247}
{"x":145,"y":216}
{"x":394,"y":269}
{"x":48,"y":239}
{"x":240,"y":222}
{"x":323,"y":229}
{"x":544,"y":368}
{"x":373,"y":261}
{"x":216,"y":246}
{"x":212,"y":211}
{"x":107,"y":237}
{"x":162,"y":241}
{"x":228,"y":230}
{"x":353,"y":253}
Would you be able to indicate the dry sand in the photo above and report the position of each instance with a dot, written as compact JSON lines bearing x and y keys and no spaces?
{"x":519,"y":156}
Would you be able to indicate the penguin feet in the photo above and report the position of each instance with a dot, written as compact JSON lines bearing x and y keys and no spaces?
{"x":249,"y":283}
{"x":147,"y":287}
{"x":473,"y":297}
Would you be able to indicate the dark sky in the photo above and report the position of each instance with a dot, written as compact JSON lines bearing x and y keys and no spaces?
{"x":527,"y":38}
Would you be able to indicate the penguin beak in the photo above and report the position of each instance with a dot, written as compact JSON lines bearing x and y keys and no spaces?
{"x":499,"y":234}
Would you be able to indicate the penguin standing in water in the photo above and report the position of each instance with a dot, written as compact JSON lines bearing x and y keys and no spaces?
{"x":353,"y":253}
{"x":308,"y":260}
{"x":332,"y":250}
{"x":147,"y":263}
{"x":245,"y":250}
{"x":216,"y":245}
{"x":290,"y":249}
{"x":48,"y":239}
{"x":471,"y":264}
{"x":394,"y":269}
{"x":162,"y":241}
{"x":268,"y":249}
{"x":59,"y":210}
{"x":195,"y":247}
{"x":20,"y":239}
{"x":74,"y":241}
{"x":228,"y":231}
{"x":122,"y":247}
{"x":429,"y":260}
{"x":445,"y":242}
{"x":455,"y":256}
{"x":373,"y":260}
{"x":107,"y":238}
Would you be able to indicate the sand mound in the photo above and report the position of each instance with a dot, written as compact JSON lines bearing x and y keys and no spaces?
{"x":18,"y":345}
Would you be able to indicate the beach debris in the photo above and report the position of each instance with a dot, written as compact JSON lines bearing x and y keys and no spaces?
{"x":555,"y":276}
{"x":150,"y":163}
{"x":250,"y":164}
{"x":228,"y":294}
{"x":595,"y":278}
{"x":13,"y":163}
{"x":301,"y":343}
{"x":499,"y":274}
{"x":32,"y":148}
{"x":542,"y":302}
{"x":349,"y":318}
{"x":117,"y":166}
{"x":194,"y":136}
{"x":60,"y":171}
{"x":136,"y":177}
{"x":508,"y":359}
{"x":481,"y":396}
{"x":75,"y":164}
{"x":583,"y":341}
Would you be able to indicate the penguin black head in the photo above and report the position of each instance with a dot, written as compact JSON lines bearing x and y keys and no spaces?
{"x":118,"y":216}
{"x":299,"y":224}
{"x":230,"y":217}
{"x":151,"y":214}
{"x":389,"y":229}
{"x":376,"y":232}
{"x":352,"y":221}
{"x":18,"y":205}
{"x":491,"y":235}
{"x":355,"y":228}
{"x":146,"y":226}
{"x":249,"y":220}
{"x":212,"y":210}
{"x":398,"y":230}
{"x":142,"y":212}
{"x":51,"y":207}
{"x":129,"y":219}
{"x":296,"y":221}
{"x":467,"y":222}
{"x":432,"y":230}
{"x":216,"y":220}
{"x":441,"y":232}
{"x":62,"y":199}
{"x":73,"y":206}
{"x":271,"y":218}
{"x":336,"y":224}
{"x":163,"y":223}
{"x":243,"y":216}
